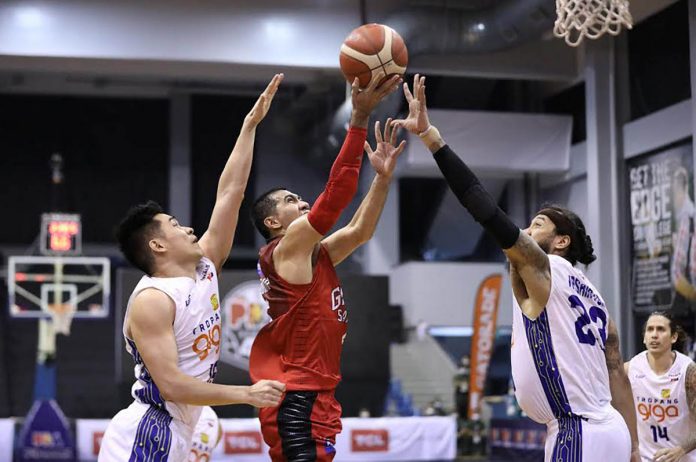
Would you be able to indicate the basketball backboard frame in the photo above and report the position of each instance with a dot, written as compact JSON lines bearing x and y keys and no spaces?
{"x":58,"y":274}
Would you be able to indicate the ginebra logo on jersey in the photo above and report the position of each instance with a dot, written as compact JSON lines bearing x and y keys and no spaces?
{"x":369,"y":440}
{"x":244,"y":313}
{"x":243,"y":442}
{"x":338,"y":304}
{"x":657,"y":409}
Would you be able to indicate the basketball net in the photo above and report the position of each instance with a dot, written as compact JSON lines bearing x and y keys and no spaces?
{"x":578,"y":19}
{"x":62,"y":316}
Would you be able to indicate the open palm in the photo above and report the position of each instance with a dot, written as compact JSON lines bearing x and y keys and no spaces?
{"x":383,"y":157}
{"x":417,"y":120}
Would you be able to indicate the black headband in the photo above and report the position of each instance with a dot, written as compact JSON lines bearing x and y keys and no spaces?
{"x":564,"y":225}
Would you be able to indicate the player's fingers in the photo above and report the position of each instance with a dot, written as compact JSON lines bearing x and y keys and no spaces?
{"x":387,"y":130}
{"x":368,"y":148}
{"x":416,"y":83}
{"x":421,"y":93}
{"x":378,"y":132}
{"x":407,"y":93}
{"x":389,"y":86}
{"x":393,"y":132}
{"x":273,"y":86}
{"x":398,"y":122}
{"x":400,"y":149}
{"x":355,"y":86}
{"x":277,"y":385}
{"x":375,"y":82}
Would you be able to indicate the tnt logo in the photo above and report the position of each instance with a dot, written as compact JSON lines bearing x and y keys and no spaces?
{"x":369,"y":440}
{"x":96,"y":442}
{"x":45,"y":440}
{"x":243,"y":443}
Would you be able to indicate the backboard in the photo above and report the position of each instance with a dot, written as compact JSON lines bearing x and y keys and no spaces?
{"x":37,"y":285}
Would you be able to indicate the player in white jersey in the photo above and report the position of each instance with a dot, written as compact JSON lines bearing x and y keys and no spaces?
{"x":206,"y":436}
{"x":172,"y":322}
{"x":566,"y":362}
{"x":664,"y":389}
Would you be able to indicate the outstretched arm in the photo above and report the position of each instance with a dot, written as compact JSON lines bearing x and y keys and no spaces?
{"x":150,"y":322}
{"x":620,"y":386}
{"x":292,"y":257}
{"x":531,"y":274}
{"x":362,"y":226}
{"x":675,"y":454}
{"x":216,"y":242}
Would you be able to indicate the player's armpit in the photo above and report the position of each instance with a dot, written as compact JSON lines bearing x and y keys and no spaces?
{"x":531,"y":265}
{"x":292,"y":257}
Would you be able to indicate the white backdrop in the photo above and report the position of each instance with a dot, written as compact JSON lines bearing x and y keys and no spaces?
{"x":379,"y":439}
{"x":6,"y":438}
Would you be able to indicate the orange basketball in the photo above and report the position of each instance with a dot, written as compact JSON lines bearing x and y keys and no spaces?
{"x":373,"y":50}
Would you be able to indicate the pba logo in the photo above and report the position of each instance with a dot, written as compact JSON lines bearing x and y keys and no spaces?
{"x":244,"y":313}
{"x":243,"y":443}
{"x":45,"y":439}
{"x":96,"y":442}
{"x":369,"y":440}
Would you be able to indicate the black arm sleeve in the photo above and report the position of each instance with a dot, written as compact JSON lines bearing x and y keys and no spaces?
{"x":468,"y":189}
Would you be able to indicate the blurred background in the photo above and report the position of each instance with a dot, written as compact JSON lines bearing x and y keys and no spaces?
{"x":104,"y":105}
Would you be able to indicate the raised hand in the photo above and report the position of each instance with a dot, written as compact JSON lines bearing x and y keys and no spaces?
{"x":265,"y":393}
{"x":417,"y":120}
{"x":383,"y":157}
{"x":260,"y":109}
{"x":364,"y":101}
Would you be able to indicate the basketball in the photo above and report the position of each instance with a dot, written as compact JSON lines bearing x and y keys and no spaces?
{"x":373,"y":50}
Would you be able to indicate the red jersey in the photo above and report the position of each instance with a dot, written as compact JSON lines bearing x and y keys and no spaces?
{"x":302,"y":344}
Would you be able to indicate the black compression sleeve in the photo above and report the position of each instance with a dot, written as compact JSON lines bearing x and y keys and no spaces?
{"x":468,"y":189}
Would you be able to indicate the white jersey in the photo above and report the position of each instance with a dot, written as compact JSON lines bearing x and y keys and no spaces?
{"x":205,"y":437}
{"x":558,"y":363}
{"x":196,"y":330}
{"x":662,"y":410}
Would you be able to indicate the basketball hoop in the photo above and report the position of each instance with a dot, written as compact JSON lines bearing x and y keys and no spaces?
{"x":62,"y":316}
{"x":578,"y":19}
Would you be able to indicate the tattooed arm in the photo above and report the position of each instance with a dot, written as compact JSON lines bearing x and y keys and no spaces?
{"x":620,"y":386}
{"x":674,"y":454}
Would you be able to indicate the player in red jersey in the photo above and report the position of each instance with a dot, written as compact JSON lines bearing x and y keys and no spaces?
{"x":302,"y":344}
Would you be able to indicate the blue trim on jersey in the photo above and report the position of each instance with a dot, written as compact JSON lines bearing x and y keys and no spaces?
{"x":149,"y":394}
{"x":568,"y":447}
{"x":153,"y":438}
{"x":540,"y":345}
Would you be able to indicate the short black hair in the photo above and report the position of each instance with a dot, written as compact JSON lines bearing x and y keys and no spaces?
{"x":264,"y":206}
{"x":569,"y":224}
{"x":135,"y":231}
